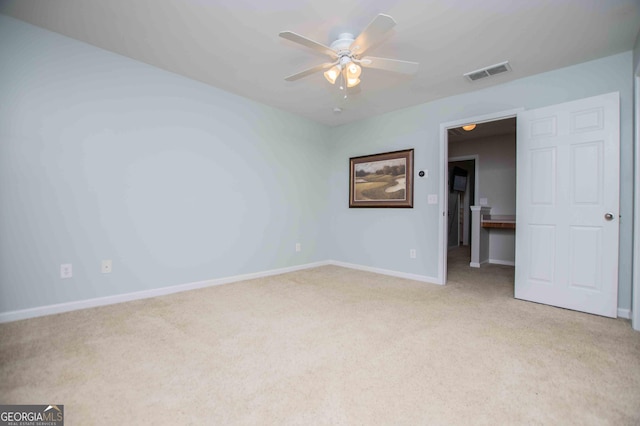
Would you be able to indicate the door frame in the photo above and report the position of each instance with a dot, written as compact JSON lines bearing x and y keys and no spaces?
{"x":635,"y":281}
{"x":476,"y":175}
{"x":444,"y":167}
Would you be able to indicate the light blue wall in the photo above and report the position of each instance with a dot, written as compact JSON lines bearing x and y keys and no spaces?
{"x":636,"y":55}
{"x":635,"y":305}
{"x":103,"y":157}
{"x":382,"y":237}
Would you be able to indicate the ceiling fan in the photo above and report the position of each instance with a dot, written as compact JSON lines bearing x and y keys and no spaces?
{"x":346,"y":54}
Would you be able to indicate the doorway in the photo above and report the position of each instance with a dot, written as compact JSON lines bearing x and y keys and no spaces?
{"x":462,"y":189}
{"x":459,"y":146}
{"x":568,"y":211}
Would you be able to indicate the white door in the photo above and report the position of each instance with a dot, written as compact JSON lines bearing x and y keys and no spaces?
{"x":567,"y":205}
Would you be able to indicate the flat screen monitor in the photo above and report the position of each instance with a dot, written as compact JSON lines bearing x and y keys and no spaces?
{"x":459,"y":179}
{"x":459,"y":183}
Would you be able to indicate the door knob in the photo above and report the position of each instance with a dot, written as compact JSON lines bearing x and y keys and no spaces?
{"x":608,"y":216}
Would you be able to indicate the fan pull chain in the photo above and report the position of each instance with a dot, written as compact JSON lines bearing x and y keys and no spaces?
{"x":343,"y":82}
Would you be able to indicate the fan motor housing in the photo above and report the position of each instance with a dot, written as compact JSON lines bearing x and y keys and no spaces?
{"x":342,"y":44}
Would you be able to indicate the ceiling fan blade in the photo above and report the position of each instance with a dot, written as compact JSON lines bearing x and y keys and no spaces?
{"x":404,"y":67}
{"x":318,"y":47}
{"x":310,"y":71}
{"x":372,"y":33}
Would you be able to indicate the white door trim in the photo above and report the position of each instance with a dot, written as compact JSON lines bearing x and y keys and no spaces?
{"x":476,"y":181}
{"x":635,"y":281}
{"x":474,"y":157}
{"x":444,"y":166}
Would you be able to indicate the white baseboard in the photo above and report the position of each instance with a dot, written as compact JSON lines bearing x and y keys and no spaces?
{"x":415,"y":277}
{"x":477,"y":265}
{"x":145,"y":294}
{"x":502,"y":262}
{"x":624,"y":313}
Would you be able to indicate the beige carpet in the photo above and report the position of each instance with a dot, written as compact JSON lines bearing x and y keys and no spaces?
{"x":329,"y":346}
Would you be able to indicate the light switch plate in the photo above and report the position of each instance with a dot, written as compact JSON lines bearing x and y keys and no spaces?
{"x":432,"y":199}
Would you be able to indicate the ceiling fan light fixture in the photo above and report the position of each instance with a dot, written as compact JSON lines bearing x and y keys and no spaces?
{"x":353,"y":82}
{"x":469,"y":127}
{"x":353,"y":70}
{"x":332,"y":74}
{"x":346,"y":54}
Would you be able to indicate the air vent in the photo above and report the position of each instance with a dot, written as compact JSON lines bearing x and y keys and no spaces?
{"x":488,"y":71}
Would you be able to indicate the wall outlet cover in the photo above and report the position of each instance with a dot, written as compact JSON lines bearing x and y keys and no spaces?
{"x":66,"y":270}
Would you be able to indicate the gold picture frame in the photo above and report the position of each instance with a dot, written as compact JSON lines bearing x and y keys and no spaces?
{"x":382,"y":180}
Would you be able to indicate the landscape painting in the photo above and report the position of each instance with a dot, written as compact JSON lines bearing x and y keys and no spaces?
{"x":382,"y":180}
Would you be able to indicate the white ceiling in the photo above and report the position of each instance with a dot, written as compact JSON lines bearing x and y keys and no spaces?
{"x":487,"y":129}
{"x":234,"y":44}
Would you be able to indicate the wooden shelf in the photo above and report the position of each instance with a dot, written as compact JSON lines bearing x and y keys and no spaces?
{"x":499,"y":221}
{"x":502,"y":225}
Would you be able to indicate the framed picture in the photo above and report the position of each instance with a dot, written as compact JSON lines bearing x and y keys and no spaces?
{"x":382,"y":180}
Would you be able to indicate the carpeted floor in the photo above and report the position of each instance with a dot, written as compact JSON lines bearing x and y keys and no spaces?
{"x":329,"y":346}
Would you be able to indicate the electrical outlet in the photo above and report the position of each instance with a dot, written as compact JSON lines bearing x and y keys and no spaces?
{"x":298,"y":247}
{"x":66,"y":270}
{"x":412,"y":254}
{"x":106,"y":266}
